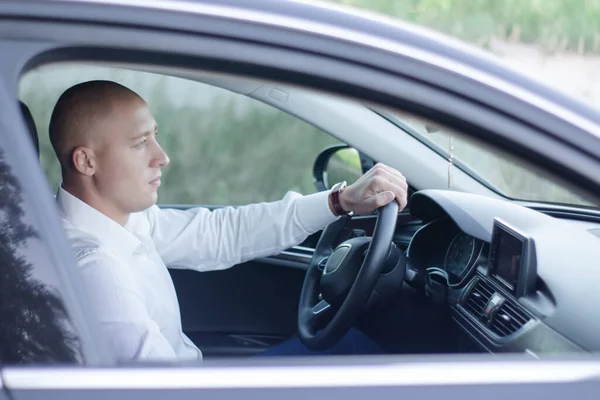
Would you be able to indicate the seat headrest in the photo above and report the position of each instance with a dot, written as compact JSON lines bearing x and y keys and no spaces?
{"x":30,"y":125}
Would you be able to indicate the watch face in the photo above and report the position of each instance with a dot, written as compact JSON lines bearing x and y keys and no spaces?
{"x":338,"y":186}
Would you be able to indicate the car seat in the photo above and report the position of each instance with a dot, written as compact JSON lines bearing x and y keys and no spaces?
{"x":30,"y":126}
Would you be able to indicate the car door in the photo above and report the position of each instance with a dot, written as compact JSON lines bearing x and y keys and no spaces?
{"x":352,"y":65}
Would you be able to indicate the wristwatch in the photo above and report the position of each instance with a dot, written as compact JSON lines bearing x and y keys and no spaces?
{"x":334,"y":199}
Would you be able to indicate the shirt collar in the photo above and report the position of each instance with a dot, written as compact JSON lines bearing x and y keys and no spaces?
{"x":86,"y":218}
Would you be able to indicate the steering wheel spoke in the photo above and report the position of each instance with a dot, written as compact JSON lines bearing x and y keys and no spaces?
{"x":321,"y":312}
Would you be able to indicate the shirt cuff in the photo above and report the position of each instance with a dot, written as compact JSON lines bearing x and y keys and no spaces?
{"x":314,"y":213}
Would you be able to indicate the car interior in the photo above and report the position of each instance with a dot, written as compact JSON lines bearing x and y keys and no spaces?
{"x":470,"y":270}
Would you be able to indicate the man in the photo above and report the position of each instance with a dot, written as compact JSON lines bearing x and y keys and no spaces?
{"x":106,"y":141}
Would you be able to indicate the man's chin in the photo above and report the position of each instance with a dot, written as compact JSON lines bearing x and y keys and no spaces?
{"x":150,"y":201}
{"x":153,"y":200}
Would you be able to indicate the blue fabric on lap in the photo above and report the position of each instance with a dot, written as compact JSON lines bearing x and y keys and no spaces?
{"x":353,"y":343}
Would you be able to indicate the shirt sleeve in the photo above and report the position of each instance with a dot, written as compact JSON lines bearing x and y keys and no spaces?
{"x":205,"y":240}
{"x":123,"y":317}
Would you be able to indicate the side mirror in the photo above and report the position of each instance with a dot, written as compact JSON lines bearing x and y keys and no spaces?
{"x":335,"y":164}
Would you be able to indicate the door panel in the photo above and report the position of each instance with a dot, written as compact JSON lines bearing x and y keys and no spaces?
{"x":253,"y":306}
{"x":242,"y":310}
{"x":245,"y":309}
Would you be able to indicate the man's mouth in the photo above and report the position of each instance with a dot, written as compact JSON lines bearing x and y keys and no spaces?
{"x":155,"y":181}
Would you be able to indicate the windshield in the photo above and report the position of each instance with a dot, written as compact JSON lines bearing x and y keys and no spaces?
{"x":504,"y":174}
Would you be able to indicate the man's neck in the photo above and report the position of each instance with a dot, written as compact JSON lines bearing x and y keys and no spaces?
{"x":96,"y":202}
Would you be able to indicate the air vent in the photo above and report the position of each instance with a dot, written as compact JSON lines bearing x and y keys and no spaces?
{"x":478,"y":298}
{"x":508,"y":319}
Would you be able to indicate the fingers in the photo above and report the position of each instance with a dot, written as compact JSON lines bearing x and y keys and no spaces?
{"x":381,"y":199}
{"x":399,"y":194}
{"x":376,"y":188}
{"x":379,"y":167}
{"x":391,"y":177}
{"x":388,"y":179}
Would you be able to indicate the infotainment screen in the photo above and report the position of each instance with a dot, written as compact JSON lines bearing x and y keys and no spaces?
{"x":508,"y":259}
{"x":512,"y":261}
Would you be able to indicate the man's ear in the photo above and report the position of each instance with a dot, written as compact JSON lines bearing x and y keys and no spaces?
{"x":84,"y":160}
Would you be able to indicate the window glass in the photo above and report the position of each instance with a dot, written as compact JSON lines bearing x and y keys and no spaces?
{"x":225,"y":148}
{"x":504,"y":173}
{"x":34,"y":324}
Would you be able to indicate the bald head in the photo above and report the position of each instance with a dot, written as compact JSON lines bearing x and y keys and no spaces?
{"x":106,"y":140}
{"x":81,"y":114}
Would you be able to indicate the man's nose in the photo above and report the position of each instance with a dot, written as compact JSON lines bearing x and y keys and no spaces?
{"x":161,"y":158}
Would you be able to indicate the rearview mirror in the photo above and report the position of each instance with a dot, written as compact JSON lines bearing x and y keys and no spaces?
{"x":335,"y":164}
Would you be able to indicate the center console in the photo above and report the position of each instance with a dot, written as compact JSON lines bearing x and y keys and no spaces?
{"x":489,"y":304}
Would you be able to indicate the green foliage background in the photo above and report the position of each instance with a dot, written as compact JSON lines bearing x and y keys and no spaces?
{"x":556,"y":25}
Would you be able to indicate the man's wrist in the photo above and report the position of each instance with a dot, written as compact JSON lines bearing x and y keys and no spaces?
{"x":344,"y":203}
{"x":336,"y":199}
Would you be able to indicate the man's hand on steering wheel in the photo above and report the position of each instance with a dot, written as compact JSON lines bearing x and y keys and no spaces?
{"x":376,"y":188}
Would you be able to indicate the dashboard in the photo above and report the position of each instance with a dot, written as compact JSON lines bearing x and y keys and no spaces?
{"x":517,"y":280}
{"x":440,"y":244}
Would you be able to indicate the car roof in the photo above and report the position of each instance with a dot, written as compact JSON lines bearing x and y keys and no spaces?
{"x":374,"y":29}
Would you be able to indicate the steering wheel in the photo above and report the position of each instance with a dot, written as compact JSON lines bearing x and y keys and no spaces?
{"x":339,"y":282}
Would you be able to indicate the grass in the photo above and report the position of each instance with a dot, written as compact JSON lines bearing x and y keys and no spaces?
{"x":556,"y":25}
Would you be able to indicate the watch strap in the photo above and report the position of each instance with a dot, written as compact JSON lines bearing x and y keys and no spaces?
{"x":334,"y":195}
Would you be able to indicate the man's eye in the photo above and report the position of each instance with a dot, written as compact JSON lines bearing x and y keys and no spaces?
{"x":141,"y":143}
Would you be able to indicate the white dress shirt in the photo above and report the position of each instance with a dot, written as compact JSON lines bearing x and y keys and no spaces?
{"x":124,"y":268}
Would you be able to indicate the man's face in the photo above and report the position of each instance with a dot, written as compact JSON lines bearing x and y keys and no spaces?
{"x":128,"y":157}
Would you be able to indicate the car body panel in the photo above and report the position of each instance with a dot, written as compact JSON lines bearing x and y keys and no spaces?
{"x":317,"y":379}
